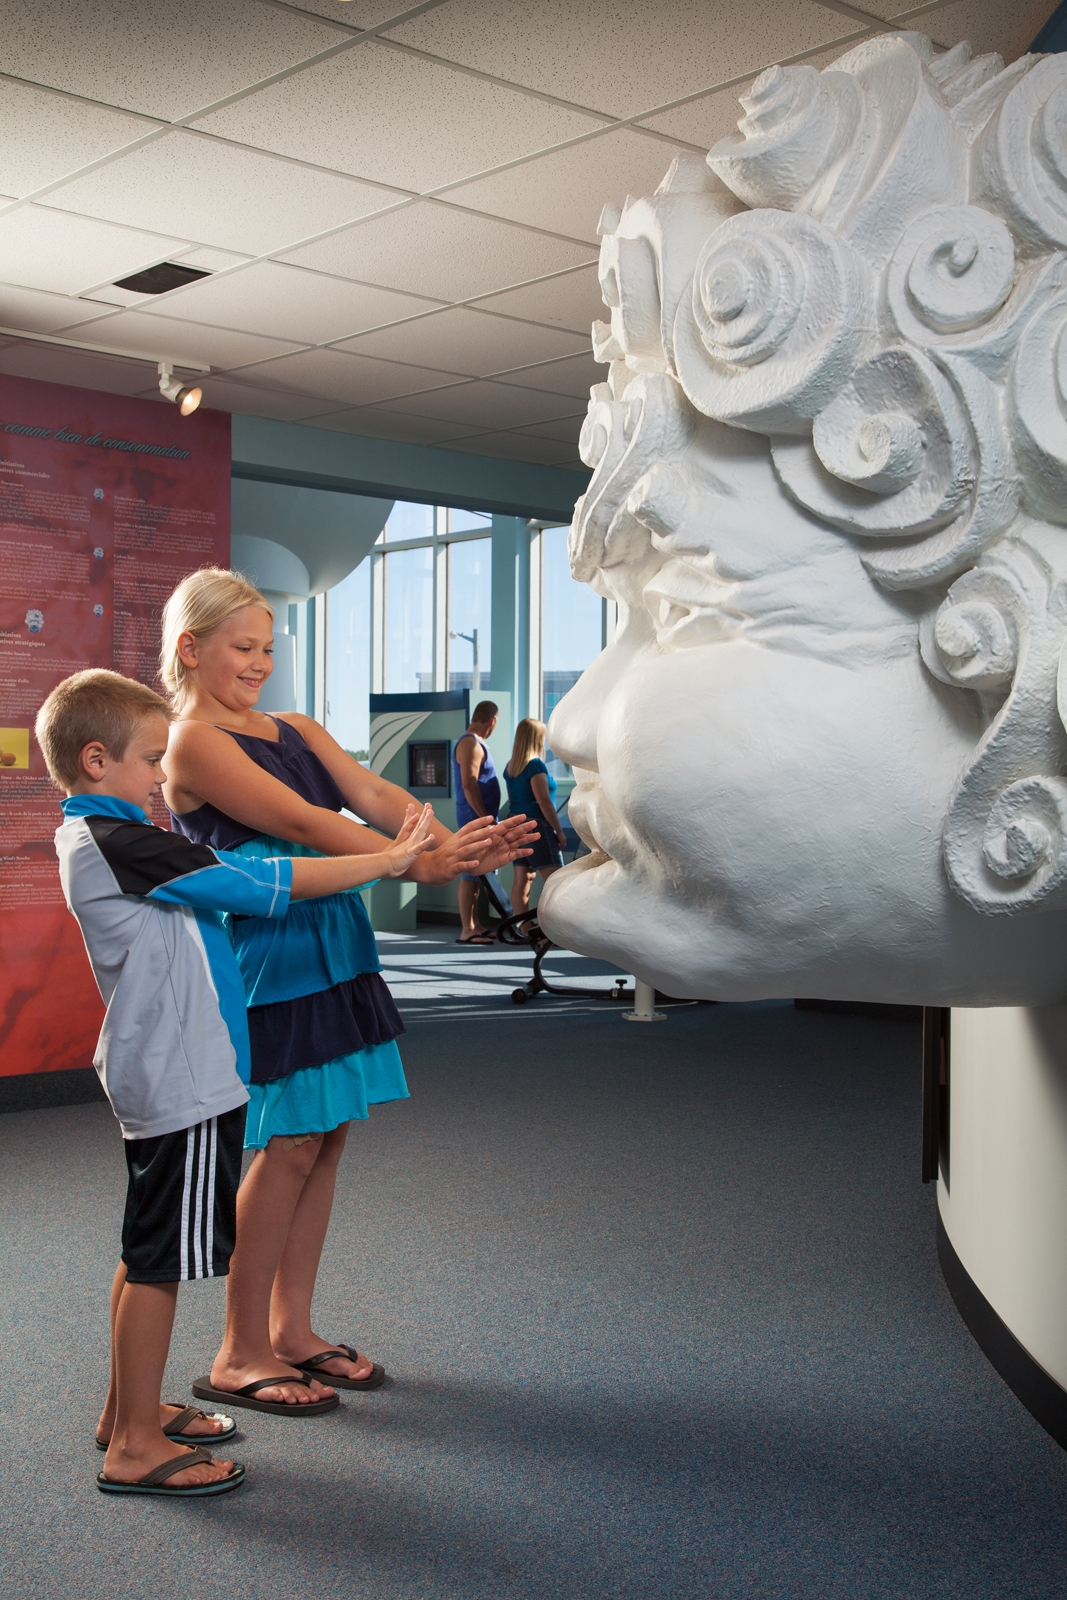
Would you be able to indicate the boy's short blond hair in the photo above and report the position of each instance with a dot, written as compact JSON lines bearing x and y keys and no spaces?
{"x":95,"y":706}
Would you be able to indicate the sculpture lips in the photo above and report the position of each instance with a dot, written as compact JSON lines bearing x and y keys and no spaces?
{"x":596,"y":820}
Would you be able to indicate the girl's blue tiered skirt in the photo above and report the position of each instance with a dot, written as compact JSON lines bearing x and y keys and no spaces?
{"x":322,"y":1023}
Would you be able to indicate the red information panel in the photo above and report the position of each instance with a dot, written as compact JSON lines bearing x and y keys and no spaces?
{"x":105,"y":503}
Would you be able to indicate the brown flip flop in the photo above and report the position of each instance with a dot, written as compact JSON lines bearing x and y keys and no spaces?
{"x":374,"y":1379}
{"x":155,"y":1482}
{"x":205,"y":1390}
{"x":175,"y":1428}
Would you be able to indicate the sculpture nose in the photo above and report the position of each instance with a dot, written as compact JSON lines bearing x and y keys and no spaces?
{"x":572,"y":726}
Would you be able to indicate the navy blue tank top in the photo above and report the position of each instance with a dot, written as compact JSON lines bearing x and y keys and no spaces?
{"x":488,"y":786}
{"x":291,"y":760}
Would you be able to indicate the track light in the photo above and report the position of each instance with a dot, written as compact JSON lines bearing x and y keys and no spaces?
{"x":185,"y":399}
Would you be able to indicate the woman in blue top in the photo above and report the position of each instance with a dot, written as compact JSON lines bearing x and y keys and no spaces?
{"x":322,"y":1024}
{"x":532,"y":793}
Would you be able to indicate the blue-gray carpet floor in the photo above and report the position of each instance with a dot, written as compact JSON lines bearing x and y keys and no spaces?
{"x":663,"y":1317}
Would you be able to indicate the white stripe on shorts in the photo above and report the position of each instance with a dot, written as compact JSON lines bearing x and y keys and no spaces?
{"x":198,"y":1249}
{"x":209,"y":1220}
{"x":190,"y":1144}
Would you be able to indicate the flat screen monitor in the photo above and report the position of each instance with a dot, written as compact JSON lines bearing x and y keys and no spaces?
{"x":430,"y":769}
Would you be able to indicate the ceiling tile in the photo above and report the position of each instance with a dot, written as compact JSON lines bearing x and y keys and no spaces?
{"x":485,"y":405}
{"x":166,"y":60}
{"x":516,"y":447}
{"x":437,"y":251}
{"x":212,"y":260}
{"x":987,"y":24}
{"x":42,"y":313}
{"x":566,"y":191}
{"x":108,"y":296}
{"x":709,"y":119}
{"x":567,"y":430}
{"x":302,"y":306}
{"x":46,"y":249}
{"x":52,"y":364}
{"x":43,"y":136}
{"x":620,"y":56}
{"x":568,"y":300}
{"x":249,"y":399}
{"x":470,"y":342}
{"x":393,"y":117}
{"x":215,"y":347}
{"x":574,"y":376}
{"x":218,"y":195}
{"x":885,"y":9}
{"x":375,"y":424}
{"x":361,"y":13}
{"x":349,"y":379}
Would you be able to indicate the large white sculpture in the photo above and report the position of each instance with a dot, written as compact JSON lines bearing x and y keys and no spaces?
{"x":825,"y":753}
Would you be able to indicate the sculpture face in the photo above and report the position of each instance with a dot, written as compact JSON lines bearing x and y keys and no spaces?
{"x":823,"y":755}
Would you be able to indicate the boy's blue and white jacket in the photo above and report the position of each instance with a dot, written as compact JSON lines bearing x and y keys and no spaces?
{"x":173,"y":1050}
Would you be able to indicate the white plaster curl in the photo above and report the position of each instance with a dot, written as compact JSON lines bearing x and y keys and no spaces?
{"x":911,"y":452}
{"x":865,"y":156}
{"x":952,"y":271}
{"x":1004,"y":624}
{"x":625,"y":431}
{"x":1021,"y":157}
{"x":798,"y":127}
{"x":959,"y":74}
{"x":781,"y":312}
{"x":1038,"y":400}
{"x":647,"y":253}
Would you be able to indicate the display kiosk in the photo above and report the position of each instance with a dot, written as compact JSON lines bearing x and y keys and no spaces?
{"x":412,"y":737}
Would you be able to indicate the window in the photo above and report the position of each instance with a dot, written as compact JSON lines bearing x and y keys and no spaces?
{"x":407,"y":521}
{"x":409,"y":619}
{"x":572,"y":628}
{"x":348,"y":621}
{"x":468,"y":521}
{"x":469,"y":613}
{"x":424,"y":613}
{"x":416,"y":617}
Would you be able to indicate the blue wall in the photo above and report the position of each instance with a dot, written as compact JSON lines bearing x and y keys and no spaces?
{"x":287,"y":452}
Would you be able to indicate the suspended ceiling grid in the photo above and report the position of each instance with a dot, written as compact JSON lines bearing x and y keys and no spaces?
{"x":398,"y":209}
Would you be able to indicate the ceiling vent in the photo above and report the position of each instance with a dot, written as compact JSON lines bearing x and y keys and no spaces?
{"x":157,"y":280}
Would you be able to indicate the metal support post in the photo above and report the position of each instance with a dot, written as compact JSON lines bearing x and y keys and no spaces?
{"x":644,"y":1005}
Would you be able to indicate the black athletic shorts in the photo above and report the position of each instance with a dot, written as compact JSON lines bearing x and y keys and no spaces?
{"x":181,"y":1203}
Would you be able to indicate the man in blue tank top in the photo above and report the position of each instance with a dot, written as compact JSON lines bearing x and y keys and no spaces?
{"x":477,"y":795}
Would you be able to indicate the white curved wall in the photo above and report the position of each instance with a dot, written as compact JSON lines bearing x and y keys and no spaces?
{"x":1005,"y":1209}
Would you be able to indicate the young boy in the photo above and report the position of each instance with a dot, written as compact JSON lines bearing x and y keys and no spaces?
{"x":173,"y":1054}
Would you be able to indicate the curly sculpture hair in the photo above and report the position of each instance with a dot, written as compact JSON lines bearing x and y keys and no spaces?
{"x":872,"y":273}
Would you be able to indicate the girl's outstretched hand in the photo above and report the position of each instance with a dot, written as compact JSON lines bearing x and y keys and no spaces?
{"x":459,"y":852}
{"x":510,"y":841}
{"x":414,"y":837}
